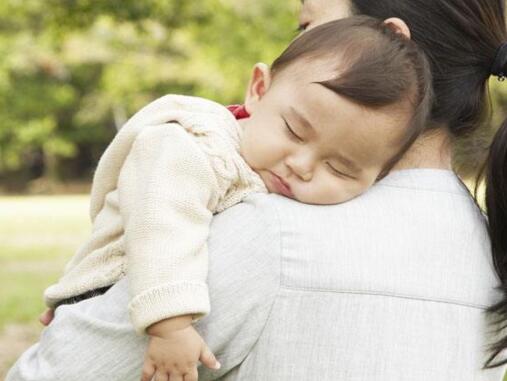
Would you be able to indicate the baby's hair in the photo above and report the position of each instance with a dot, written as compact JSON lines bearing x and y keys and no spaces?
{"x":375,"y":68}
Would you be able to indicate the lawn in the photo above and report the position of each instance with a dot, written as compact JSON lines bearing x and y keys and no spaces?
{"x":37,"y":236}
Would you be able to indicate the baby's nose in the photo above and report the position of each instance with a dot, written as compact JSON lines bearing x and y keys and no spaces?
{"x":306,"y":176}
{"x":302,"y":167}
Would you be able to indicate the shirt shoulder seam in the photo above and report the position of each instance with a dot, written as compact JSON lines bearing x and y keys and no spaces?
{"x":389,"y":295}
{"x":421,"y":190}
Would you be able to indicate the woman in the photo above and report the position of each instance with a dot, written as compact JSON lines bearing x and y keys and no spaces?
{"x":466,"y":42}
{"x":390,"y":286}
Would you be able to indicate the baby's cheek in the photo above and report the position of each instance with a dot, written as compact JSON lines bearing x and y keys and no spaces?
{"x":322,"y":193}
{"x":360,"y":189}
{"x":257,"y":159}
{"x":266,"y":152}
{"x":250,"y":149}
{"x":364,"y":184}
{"x":350,"y":189}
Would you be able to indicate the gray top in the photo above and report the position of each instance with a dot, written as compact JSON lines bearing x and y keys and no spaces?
{"x":389,"y":286}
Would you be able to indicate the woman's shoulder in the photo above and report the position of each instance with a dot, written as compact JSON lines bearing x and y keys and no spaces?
{"x":410,"y":228}
{"x":425,"y":179}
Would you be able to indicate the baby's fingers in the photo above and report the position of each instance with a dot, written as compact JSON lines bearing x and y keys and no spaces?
{"x":176,"y":377}
{"x":161,"y":376}
{"x":208,"y":359}
{"x":148,"y":371}
{"x":47,"y":316}
{"x":192,"y":375}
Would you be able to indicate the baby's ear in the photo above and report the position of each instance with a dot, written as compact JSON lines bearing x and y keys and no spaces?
{"x":259,"y":84}
{"x":399,"y":26}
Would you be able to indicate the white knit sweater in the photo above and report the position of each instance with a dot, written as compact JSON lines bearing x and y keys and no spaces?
{"x":156,"y":187}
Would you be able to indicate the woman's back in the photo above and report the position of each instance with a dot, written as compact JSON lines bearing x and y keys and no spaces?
{"x":397,"y":281}
{"x":389,"y":286}
{"x":466,"y":43}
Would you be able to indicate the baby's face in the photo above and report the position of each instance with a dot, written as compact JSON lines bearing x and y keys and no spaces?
{"x":310,"y":144}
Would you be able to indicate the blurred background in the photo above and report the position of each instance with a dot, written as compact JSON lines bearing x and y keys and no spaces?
{"x":71,"y":73}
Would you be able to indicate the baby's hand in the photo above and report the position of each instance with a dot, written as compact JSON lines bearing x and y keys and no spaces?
{"x":173,"y":354}
{"x":47,"y":316}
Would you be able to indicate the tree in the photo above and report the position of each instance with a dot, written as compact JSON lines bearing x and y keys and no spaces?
{"x":74,"y":70}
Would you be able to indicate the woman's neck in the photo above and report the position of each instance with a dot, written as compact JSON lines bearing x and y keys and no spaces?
{"x":431,"y":150}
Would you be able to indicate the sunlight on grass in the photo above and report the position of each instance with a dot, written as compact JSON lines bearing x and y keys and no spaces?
{"x":43,"y":219}
{"x":21,"y":295}
{"x":38,"y":235}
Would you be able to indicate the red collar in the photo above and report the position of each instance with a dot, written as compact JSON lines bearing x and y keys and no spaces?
{"x":239,"y":111}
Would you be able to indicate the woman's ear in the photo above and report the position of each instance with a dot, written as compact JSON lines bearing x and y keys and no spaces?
{"x":399,"y":26}
{"x":259,"y":84}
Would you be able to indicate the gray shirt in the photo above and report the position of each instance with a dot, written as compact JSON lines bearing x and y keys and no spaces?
{"x":390,"y":286}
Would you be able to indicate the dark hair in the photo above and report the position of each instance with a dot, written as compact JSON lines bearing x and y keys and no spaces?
{"x":462,"y":40}
{"x":375,"y":67}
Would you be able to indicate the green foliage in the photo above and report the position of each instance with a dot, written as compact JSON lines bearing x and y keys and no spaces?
{"x":74,"y":70}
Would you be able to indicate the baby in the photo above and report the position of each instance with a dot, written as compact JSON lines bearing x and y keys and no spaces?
{"x":330,"y":117}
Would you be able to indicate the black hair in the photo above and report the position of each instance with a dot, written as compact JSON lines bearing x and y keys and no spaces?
{"x":464,"y":42}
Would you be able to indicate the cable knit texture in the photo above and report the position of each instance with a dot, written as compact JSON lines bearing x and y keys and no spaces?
{"x":169,"y":169}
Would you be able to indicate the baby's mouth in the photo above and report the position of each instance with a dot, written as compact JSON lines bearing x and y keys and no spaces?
{"x":280,"y":186}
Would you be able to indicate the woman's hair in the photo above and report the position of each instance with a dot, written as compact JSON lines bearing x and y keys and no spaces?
{"x":464,"y":42}
{"x":375,"y":68}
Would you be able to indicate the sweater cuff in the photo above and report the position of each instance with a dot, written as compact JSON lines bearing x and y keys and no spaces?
{"x":169,"y":301}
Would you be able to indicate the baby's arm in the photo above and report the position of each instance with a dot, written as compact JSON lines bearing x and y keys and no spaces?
{"x":166,"y":193}
{"x":167,"y":189}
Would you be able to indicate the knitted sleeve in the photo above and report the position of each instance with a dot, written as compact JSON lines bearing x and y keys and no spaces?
{"x":166,"y":191}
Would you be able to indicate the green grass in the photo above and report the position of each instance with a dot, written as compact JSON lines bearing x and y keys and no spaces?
{"x":38,"y":235}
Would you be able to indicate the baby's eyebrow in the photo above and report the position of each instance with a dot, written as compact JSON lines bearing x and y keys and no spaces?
{"x":309,"y":128}
{"x":303,"y":121}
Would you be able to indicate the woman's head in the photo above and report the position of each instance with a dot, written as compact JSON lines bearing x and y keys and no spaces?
{"x":464,"y":41}
{"x":336,"y":110}
{"x":459,"y":37}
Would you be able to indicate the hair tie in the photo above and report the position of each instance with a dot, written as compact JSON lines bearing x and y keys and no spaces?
{"x":499,"y":67}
